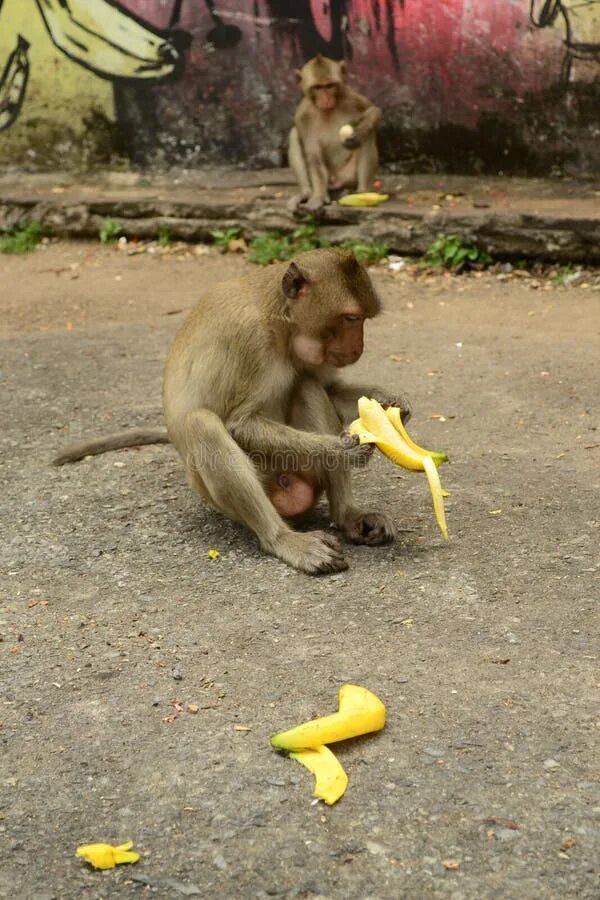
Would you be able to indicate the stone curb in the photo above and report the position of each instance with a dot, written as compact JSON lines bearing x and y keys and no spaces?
{"x":558,"y":228}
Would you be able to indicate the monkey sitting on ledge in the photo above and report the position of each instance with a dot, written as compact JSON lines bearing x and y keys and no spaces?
{"x":254,"y":406}
{"x":322,"y":157}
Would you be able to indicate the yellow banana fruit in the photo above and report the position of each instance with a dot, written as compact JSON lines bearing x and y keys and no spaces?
{"x":368,"y":198}
{"x":330,"y":779}
{"x":360,"y":712}
{"x":107,"y":39}
{"x":105,"y":856}
{"x":375,"y":426}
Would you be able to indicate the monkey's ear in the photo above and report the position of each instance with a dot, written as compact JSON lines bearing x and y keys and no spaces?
{"x":298,"y":74}
{"x":342,"y":67}
{"x":293,"y":282}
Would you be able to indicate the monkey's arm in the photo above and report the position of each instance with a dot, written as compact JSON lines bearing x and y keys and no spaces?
{"x":365,"y":124}
{"x":345,"y":399}
{"x":258,"y":434}
{"x":294,"y":448}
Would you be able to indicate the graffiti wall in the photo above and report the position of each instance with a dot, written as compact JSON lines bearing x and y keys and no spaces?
{"x":465,"y":85}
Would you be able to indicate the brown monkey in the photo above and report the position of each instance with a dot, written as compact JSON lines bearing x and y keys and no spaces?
{"x":320,"y":158}
{"x":254,"y":406}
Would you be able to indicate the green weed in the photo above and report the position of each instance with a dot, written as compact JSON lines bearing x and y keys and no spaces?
{"x":450,"y":252}
{"x":367,"y":252}
{"x":164,"y":236}
{"x":21,"y":239}
{"x":272,"y":247}
{"x":222,"y":237}
{"x":110,"y":231}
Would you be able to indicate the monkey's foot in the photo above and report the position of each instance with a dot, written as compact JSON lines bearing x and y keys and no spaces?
{"x":368,"y":528}
{"x":296,"y":202}
{"x":313,"y":552}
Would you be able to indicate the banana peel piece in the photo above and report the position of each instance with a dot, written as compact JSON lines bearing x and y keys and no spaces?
{"x":368,"y":198}
{"x":105,"y":856}
{"x":395,"y":417}
{"x":331,"y":780}
{"x":375,"y":426}
{"x":360,"y":712}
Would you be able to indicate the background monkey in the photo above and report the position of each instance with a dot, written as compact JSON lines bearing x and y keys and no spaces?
{"x":319,"y":157}
{"x":254,"y":406}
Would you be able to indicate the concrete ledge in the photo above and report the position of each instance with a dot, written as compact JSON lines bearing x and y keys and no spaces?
{"x":529,"y":218}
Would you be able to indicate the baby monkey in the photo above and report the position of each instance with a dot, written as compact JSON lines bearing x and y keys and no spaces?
{"x":333,"y":144}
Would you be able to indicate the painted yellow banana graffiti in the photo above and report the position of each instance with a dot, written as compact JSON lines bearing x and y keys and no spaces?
{"x":376,"y":426}
{"x":107,"y":39}
{"x":360,"y":712}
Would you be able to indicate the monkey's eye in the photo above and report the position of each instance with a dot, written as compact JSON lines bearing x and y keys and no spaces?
{"x":352,"y":318}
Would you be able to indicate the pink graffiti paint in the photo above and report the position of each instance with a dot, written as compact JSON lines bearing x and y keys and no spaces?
{"x":321,"y":14}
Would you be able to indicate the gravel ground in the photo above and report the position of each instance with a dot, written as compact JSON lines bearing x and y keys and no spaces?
{"x":141,"y":679}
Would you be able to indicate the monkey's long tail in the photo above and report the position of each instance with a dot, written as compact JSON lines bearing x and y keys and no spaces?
{"x":137,"y":437}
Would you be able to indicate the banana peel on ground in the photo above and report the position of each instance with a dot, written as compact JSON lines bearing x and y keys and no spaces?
{"x":367,"y":198}
{"x":385,"y":429}
{"x":359,"y":712}
{"x":106,"y":856}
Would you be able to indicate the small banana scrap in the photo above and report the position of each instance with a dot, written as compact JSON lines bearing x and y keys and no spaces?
{"x":360,"y":712}
{"x":385,"y":429}
{"x":105,"y":856}
{"x":368,"y":198}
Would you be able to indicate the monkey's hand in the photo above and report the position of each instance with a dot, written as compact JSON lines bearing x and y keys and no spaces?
{"x":368,"y":528}
{"x":399,"y":401}
{"x":352,"y":142}
{"x":356,"y":455}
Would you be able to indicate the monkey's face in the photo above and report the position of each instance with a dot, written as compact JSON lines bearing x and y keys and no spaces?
{"x":343,"y":343}
{"x":330,"y":297}
{"x":325,"y":96}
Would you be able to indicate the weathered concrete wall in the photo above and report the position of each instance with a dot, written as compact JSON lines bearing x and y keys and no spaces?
{"x":466,"y":85}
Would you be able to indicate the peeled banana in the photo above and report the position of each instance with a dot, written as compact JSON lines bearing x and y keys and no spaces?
{"x":369,"y":198}
{"x":385,"y":429}
{"x":107,"y":39}
{"x":359,"y":712}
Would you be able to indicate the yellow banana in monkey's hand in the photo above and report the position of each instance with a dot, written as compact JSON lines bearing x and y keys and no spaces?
{"x":368,"y":198}
{"x":359,"y":712}
{"x":385,"y":429}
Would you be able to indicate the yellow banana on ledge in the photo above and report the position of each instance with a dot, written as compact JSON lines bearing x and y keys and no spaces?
{"x":359,"y":712}
{"x":385,"y":429}
{"x":367,"y":198}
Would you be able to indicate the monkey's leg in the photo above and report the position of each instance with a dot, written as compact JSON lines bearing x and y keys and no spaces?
{"x":297,"y":164}
{"x":313,"y":410}
{"x":233,"y":486}
{"x":319,"y":179}
{"x":367,"y":162}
